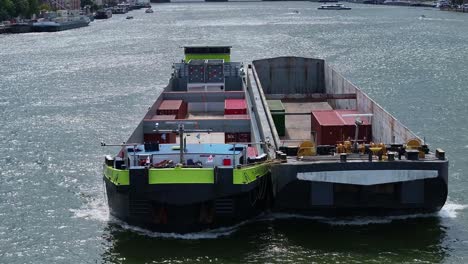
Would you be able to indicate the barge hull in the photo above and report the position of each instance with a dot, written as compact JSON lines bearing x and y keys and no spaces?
{"x":187,"y":208}
{"x":333,"y":189}
{"x":62,"y":27}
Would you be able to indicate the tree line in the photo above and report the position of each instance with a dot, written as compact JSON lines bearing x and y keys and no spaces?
{"x":27,"y":8}
{"x":18,"y":8}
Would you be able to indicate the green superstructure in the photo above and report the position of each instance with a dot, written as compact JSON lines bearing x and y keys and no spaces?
{"x":208,"y":53}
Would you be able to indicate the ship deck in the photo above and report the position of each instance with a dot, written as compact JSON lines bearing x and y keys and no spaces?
{"x":354,"y":157}
{"x":213,"y":115}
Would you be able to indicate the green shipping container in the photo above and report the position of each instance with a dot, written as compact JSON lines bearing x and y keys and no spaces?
{"x":276,"y":106}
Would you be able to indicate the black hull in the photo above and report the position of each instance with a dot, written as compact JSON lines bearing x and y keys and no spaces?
{"x":187,"y":208}
{"x":17,"y":29}
{"x":339,"y":199}
{"x":99,"y":16}
{"x":356,"y":212}
{"x":59,"y":28}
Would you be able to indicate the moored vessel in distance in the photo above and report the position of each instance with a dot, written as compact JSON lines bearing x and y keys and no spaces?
{"x":223,"y":143}
{"x":61,"y":20}
{"x":196,"y":160}
{"x":104,"y":13}
{"x":398,"y":2}
{"x":334,"y":7}
{"x":20,"y":27}
{"x":3,"y":28}
{"x":149,"y":10}
{"x":120,"y":9}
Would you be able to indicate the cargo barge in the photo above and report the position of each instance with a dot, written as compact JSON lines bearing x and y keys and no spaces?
{"x":195,"y":161}
{"x":345,"y":155}
{"x":223,"y":143}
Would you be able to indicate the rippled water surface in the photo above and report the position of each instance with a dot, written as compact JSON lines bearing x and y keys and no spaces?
{"x":63,"y":93}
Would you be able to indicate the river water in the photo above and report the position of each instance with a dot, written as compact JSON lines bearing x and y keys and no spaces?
{"x":63,"y":93}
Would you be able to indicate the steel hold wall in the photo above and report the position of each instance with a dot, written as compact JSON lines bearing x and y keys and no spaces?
{"x":216,"y":125}
{"x":289,"y":75}
{"x":385,"y":128}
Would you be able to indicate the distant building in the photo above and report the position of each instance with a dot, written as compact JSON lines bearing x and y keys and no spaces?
{"x":64,"y":4}
{"x":107,"y":2}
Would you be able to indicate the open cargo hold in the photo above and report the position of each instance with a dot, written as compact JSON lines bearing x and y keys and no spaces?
{"x":330,"y":127}
{"x":235,"y":107}
{"x":173,"y":107}
{"x":278,"y":113}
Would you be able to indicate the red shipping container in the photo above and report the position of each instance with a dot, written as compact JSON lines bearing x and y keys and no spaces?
{"x":235,"y":107}
{"x":173,"y":107}
{"x":162,"y":138}
{"x":243,"y":137}
{"x":230,"y":137}
{"x":236,"y":137}
{"x":331,"y":127}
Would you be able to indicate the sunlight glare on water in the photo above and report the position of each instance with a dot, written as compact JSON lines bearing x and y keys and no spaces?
{"x":63,"y":93}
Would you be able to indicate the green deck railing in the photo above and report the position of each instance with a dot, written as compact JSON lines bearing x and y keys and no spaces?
{"x":244,"y":175}
{"x":118,"y":177}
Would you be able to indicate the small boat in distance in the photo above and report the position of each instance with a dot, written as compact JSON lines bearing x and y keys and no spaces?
{"x":149,"y":10}
{"x":129,"y":17}
{"x":334,"y":7}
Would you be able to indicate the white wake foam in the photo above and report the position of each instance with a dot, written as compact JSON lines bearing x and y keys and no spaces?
{"x":451,"y":210}
{"x":96,"y":209}
{"x":208,"y":234}
{"x":360,"y":221}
